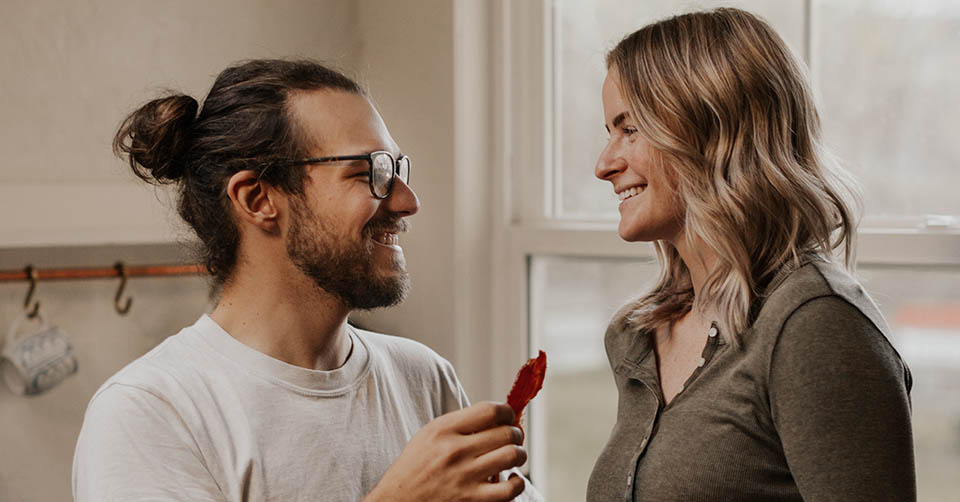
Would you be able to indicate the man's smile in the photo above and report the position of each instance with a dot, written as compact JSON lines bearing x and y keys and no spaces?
{"x":389,"y":239}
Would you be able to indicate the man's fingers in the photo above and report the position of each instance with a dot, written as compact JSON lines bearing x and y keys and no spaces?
{"x":503,"y":491}
{"x":491,"y":439}
{"x":479,"y":417}
{"x":502,"y":459}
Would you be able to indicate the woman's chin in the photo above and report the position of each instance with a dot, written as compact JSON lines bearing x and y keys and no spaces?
{"x":643,"y":229}
{"x":630,"y":233}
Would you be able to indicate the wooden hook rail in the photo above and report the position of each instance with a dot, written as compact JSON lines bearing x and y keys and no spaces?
{"x":42,"y":274}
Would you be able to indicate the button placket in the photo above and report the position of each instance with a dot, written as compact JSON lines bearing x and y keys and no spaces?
{"x":708,"y":351}
{"x":628,"y":491}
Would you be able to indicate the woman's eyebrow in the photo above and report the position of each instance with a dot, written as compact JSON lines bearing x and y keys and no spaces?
{"x":618,"y":120}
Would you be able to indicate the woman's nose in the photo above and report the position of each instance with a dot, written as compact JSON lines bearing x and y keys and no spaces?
{"x":609,"y":165}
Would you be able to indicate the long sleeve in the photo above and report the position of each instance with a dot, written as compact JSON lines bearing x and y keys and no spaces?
{"x":839,"y":395}
{"x":133,"y":446}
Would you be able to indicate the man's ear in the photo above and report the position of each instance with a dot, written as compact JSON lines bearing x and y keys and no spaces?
{"x":253,"y":202}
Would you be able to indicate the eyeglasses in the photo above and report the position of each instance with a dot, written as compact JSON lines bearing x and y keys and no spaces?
{"x":383,"y":169}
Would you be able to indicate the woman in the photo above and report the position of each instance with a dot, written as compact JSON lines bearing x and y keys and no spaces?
{"x":756,"y":368}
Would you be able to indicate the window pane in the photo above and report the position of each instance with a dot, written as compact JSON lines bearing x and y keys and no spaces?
{"x":888,"y":75}
{"x":583,"y":33}
{"x":885,"y":72}
{"x":574,"y":298}
{"x":922,"y":307}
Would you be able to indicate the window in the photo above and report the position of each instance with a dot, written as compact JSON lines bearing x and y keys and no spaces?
{"x":885,"y":73}
{"x":583,"y":33}
{"x":578,"y":393}
{"x":922,"y":307}
{"x":579,"y":295}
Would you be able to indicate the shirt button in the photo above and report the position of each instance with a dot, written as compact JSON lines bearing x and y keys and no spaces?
{"x":643,"y":443}
{"x":701,"y":362}
{"x":713,"y":332}
{"x":629,"y":479}
{"x":681,"y":389}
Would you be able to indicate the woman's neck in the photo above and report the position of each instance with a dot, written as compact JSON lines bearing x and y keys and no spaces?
{"x":697,"y":257}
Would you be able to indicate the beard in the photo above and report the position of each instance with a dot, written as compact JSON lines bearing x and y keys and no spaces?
{"x":343,"y":268}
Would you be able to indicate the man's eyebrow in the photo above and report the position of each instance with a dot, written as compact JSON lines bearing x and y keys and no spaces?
{"x":618,"y":120}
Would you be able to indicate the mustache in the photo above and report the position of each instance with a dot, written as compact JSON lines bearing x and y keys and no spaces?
{"x":392,"y":225}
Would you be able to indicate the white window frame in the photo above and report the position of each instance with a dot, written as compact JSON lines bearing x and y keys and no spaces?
{"x":525,"y":209}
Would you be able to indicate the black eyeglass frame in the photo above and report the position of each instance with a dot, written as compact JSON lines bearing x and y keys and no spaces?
{"x":367,"y":157}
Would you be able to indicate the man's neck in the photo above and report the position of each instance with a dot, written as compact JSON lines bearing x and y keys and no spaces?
{"x":291,"y":320}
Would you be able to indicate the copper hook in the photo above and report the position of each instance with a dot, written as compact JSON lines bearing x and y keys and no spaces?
{"x":32,"y":276}
{"x":123,"y":308}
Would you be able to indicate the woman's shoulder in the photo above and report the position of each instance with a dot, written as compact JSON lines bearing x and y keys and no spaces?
{"x":623,"y":339}
{"x":820,"y":316}
{"x":815,"y":283}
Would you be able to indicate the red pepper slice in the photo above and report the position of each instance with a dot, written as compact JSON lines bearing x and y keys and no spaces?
{"x":528,"y":382}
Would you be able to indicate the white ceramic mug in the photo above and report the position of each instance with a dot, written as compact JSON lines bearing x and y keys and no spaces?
{"x":36,"y":361}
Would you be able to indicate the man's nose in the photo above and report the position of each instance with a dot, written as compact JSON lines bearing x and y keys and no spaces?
{"x":402,"y":199}
{"x":609,"y":164}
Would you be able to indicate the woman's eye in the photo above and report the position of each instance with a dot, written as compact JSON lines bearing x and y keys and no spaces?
{"x":629,"y":130}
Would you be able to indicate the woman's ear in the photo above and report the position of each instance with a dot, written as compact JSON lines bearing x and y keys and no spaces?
{"x":253,"y":202}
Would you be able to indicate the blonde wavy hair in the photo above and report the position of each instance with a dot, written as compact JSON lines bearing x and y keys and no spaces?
{"x":729,"y":111}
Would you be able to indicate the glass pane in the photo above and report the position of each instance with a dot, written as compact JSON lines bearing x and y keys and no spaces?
{"x":584,"y":32}
{"x":887,"y":72}
{"x":574,"y":298}
{"x":922,"y":307}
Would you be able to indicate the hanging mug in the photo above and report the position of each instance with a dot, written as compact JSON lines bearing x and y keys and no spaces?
{"x":36,"y":361}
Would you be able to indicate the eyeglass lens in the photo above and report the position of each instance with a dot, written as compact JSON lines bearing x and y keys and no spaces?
{"x":384,"y":168}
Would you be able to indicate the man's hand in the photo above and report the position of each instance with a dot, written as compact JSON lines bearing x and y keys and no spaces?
{"x":452,"y":458}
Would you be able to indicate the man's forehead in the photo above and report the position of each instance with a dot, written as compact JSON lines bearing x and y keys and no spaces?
{"x":333,"y":119}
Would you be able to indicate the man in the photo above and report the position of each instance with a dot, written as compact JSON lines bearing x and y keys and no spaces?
{"x":298,"y":194}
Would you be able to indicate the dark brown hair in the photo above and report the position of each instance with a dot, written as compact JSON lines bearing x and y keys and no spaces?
{"x":244,"y":124}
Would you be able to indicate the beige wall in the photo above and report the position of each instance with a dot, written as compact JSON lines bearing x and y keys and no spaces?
{"x":38,"y":433}
{"x":71,"y":70}
{"x":80,"y":67}
{"x":410,"y":78}
{"x":428,"y":69}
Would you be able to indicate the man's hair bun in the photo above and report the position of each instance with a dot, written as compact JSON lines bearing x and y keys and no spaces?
{"x":155,"y":137}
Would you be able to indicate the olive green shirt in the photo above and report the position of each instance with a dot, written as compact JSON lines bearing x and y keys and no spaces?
{"x":812,"y":406}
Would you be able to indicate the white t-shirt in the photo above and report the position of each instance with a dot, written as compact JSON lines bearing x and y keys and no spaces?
{"x":203,"y":417}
